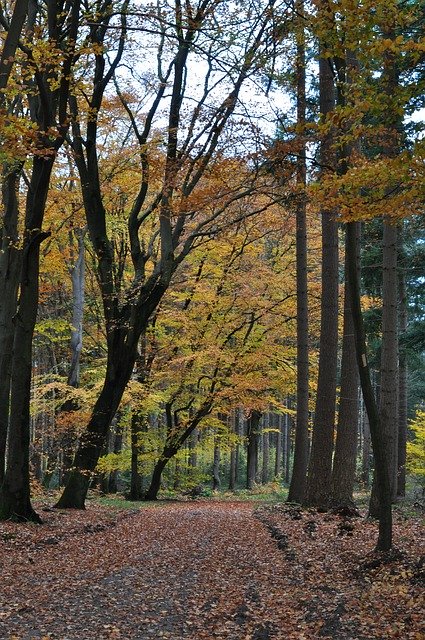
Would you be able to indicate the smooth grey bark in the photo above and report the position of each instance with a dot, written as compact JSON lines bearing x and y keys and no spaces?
{"x":318,"y":486}
{"x":77,"y":273}
{"x":344,"y":461}
{"x":297,"y":486}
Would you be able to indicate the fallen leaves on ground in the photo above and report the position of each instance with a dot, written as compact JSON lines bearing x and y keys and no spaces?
{"x":207,"y":570}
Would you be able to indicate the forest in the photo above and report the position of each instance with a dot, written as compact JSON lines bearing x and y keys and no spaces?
{"x":212,"y":273}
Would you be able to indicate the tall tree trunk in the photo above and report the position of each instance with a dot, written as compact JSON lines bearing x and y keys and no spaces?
{"x":15,"y":500}
{"x":266,"y":450}
{"x":377,"y":433}
{"x":279,"y":436}
{"x":10,"y":260}
{"x":389,"y":366}
{"x":77,"y":272}
{"x":287,"y":457}
{"x":138,"y":426}
{"x":234,"y":451}
{"x":49,"y":113}
{"x":216,"y":482}
{"x":366,"y":451}
{"x":117,"y":448}
{"x":252,"y":448}
{"x":402,"y":381}
{"x":344,"y":463}
{"x":320,"y":465}
{"x":301,"y":450}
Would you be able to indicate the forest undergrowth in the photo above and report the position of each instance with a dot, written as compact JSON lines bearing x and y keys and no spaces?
{"x":209,"y":569}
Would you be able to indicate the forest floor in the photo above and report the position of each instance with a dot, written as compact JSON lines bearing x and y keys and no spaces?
{"x":208,"y":570}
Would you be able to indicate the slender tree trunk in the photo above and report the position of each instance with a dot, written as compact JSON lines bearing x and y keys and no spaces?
{"x":389,"y":366}
{"x":402,"y":385}
{"x":155,"y":485}
{"x":320,"y":465}
{"x":377,"y":434}
{"x":287,"y":461}
{"x":138,"y":426}
{"x":193,"y":454}
{"x":344,"y":463}
{"x":301,"y":450}
{"x":366,"y":451}
{"x":252,"y":448}
{"x":117,"y":448}
{"x":77,"y":272}
{"x":172,"y":445}
{"x":278,"y":459}
{"x":216,"y":466}
{"x":266,"y":450}
{"x":233,"y":452}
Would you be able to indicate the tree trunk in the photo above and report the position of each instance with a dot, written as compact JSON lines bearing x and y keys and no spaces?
{"x":172,"y":445}
{"x":366,"y":451}
{"x":93,"y":441}
{"x":377,"y":434}
{"x":234,"y":452}
{"x":15,"y":500}
{"x":77,"y":272}
{"x":278,"y":459}
{"x":389,"y":366}
{"x":320,"y":465}
{"x":155,"y":485}
{"x":252,"y":448}
{"x":402,"y":385}
{"x":266,"y":450}
{"x":301,"y":451}
{"x":344,"y":463}
{"x":138,"y":427}
{"x":216,"y":482}
{"x":117,"y":448}
{"x":287,"y":457}
{"x":10,"y":261}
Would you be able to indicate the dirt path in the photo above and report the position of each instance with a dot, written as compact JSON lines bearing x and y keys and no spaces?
{"x":183,"y":571}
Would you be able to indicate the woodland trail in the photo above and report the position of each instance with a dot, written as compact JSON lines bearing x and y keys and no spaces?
{"x":199,"y":570}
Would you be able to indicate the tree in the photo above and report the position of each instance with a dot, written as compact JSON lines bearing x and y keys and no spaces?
{"x":172,"y":203}
{"x":48,"y":111}
{"x":301,"y":451}
{"x":320,"y":464}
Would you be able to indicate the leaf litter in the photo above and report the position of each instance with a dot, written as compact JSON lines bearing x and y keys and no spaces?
{"x":208,"y":570}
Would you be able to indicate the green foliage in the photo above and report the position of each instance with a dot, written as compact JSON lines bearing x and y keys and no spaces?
{"x":416,"y":448}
